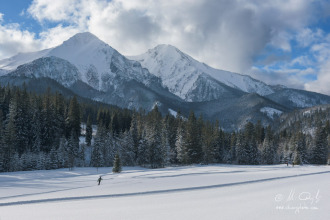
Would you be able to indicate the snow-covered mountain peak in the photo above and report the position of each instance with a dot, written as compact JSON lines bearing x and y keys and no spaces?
{"x":89,"y":54}
{"x":84,"y":37}
{"x":84,"y":40}
{"x":181,"y":74}
{"x":98,"y":64}
{"x":166,"y":50}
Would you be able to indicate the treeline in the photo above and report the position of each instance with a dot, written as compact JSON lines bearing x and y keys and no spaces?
{"x":156,"y":141}
{"x":44,"y":132}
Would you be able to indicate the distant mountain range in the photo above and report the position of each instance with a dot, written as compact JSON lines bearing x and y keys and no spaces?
{"x":163,"y":76}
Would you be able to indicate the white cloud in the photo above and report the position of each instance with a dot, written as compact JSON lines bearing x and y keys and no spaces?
{"x":13,"y":40}
{"x":307,"y":37}
{"x":321,"y":52}
{"x":57,"y":10}
{"x":223,"y":33}
{"x":322,"y":84}
{"x":55,"y":36}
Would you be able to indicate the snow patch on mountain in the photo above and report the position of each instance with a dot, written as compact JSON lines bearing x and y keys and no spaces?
{"x":12,"y":63}
{"x":172,"y":112}
{"x":3,"y":72}
{"x":51,"y":67}
{"x":300,"y":100}
{"x":270,"y":112}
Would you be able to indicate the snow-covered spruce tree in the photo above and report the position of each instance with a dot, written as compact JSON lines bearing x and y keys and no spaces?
{"x":250,"y":144}
{"x":166,"y":148}
{"x":110,"y":147}
{"x":208,"y":145}
{"x":259,"y":133}
{"x":9,"y":140}
{"x":22,"y":119}
{"x":218,"y":142}
{"x":62,"y":153}
{"x":15,"y":163}
{"x":48,"y":131}
{"x":268,"y":148}
{"x":60,"y":111}
{"x":142,"y":158}
{"x":320,"y":148}
{"x":170,"y":126}
{"x":89,"y":131}
{"x":1,"y":141}
{"x":72,"y":149}
{"x":53,"y":156}
{"x":73,"y":119}
{"x":36,"y":124}
{"x":193,"y":139}
{"x":135,"y":136}
{"x":98,"y":148}
{"x":241,"y":152}
{"x":81,"y":155}
{"x":300,"y":149}
{"x":153,"y":137}
{"x":180,"y":143}
{"x":116,"y":164}
{"x":127,"y":149}
{"x":73,"y":131}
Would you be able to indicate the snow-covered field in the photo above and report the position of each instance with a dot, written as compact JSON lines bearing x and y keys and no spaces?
{"x":192,"y":192}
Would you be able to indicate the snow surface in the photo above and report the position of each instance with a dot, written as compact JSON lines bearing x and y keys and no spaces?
{"x":271,"y":111}
{"x":193,"y":192}
{"x":179,"y":72}
{"x":13,"y":62}
{"x":172,"y":112}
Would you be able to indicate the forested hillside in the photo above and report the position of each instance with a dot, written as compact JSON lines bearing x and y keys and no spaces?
{"x":44,"y":132}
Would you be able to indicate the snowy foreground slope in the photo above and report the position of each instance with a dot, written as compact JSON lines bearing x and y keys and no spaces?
{"x":194,"y":192}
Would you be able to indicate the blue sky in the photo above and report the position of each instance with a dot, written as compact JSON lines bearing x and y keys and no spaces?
{"x":280,"y":42}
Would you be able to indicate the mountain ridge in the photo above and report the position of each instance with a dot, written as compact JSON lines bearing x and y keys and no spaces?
{"x":179,"y":72}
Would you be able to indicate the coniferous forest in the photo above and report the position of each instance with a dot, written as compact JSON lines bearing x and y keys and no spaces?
{"x":49,"y":131}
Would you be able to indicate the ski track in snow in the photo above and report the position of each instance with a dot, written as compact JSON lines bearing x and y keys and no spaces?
{"x":64,"y":199}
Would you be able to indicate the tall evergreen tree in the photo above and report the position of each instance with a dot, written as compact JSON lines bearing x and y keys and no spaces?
{"x":181,"y":143}
{"x":242,"y":155}
{"x":268,"y":148}
{"x":300,"y":154}
{"x":135,"y":136}
{"x":73,"y":120}
{"x":72,"y":149}
{"x":2,"y":144}
{"x":154,"y":140}
{"x":143,"y":158}
{"x":117,"y":164}
{"x":320,"y":149}
{"x":250,"y":144}
{"x":127,"y":149}
{"x":9,"y":140}
{"x":98,"y":148}
{"x":89,"y":131}
{"x":193,"y":140}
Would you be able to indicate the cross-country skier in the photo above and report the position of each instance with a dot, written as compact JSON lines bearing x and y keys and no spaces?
{"x":99,"y":180}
